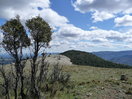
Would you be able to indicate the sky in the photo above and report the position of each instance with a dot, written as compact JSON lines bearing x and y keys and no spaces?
{"x":86,"y":25}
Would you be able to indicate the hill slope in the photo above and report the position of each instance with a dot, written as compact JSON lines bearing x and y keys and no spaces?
{"x":84,"y":58}
{"x":99,"y":83}
{"x":122,"y":57}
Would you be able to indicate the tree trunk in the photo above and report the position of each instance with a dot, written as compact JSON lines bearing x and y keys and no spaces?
{"x":22,"y":86}
{"x":17,"y":77}
{"x":34,"y":90}
{"x":15,"y":89}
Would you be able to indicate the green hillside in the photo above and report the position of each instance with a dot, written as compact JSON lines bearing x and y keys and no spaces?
{"x":85,"y":58}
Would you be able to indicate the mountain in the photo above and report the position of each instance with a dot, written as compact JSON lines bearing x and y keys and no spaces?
{"x":122,"y":57}
{"x":85,"y":58}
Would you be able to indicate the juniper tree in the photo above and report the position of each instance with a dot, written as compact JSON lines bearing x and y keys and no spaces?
{"x":40,"y":32}
{"x":14,"y":40}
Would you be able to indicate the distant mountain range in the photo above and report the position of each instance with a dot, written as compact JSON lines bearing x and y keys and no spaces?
{"x":85,"y":58}
{"x":122,"y":57}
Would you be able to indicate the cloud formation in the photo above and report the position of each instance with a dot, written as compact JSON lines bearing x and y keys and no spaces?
{"x":124,"y":21}
{"x":68,"y":36}
{"x":10,"y":8}
{"x":77,"y":38}
{"x":101,"y":16}
{"x":103,"y":9}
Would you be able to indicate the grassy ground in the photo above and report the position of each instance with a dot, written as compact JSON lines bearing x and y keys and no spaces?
{"x":97,"y":83}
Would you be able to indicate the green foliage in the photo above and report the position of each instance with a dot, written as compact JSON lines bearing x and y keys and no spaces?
{"x":14,"y":35}
{"x":84,"y":58}
{"x":15,"y":39}
{"x":39,"y":29}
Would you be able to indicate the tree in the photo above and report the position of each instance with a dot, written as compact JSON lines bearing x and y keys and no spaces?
{"x":15,"y":39}
{"x":29,"y":85}
{"x":41,"y":36}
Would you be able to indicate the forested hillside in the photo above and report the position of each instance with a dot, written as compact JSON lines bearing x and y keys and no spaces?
{"x":84,"y":58}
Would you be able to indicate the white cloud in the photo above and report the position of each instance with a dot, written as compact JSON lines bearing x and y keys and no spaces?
{"x":99,"y":40}
{"x":72,"y":37}
{"x":124,"y":21}
{"x":103,"y":9}
{"x":29,"y":8}
{"x":100,"y":16}
{"x":53,"y":18}
{"x":10,"y":8}
{"x":93,"y":28}
{"x":70,"y":31}
{"x":128,"y":11}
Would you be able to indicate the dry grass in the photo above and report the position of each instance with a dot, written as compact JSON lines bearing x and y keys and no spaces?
{"x":99,"y":83}
{"x":94,"y":83}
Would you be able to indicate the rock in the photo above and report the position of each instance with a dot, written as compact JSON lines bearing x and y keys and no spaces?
{"x":58,"y":59}
{"x":102,"y":88}
{"x":123,"y":77}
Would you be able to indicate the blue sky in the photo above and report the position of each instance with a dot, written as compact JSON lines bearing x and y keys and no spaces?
{"x":64,"y":8}
{"x":88,"y":25}
{"x":84,"y":21}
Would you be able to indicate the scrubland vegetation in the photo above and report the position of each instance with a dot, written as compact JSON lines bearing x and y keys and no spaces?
{"x":96,"y":83}
{"x":86,"y":82}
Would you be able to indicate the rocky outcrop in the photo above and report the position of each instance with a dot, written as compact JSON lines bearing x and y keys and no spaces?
{"x":58,"y":59}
